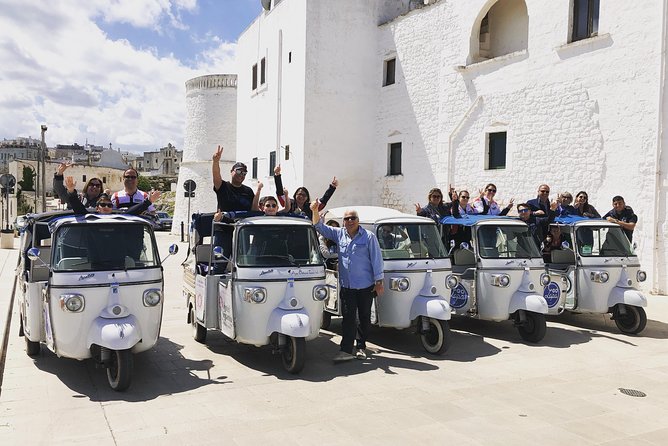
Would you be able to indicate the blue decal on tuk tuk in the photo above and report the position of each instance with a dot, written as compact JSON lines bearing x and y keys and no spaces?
{"x":458,"y":296}
{"x":551,"y":294}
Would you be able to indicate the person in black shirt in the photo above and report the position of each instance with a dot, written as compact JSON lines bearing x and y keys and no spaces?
{"x":232,"y":195}
{"x":623,"y":215}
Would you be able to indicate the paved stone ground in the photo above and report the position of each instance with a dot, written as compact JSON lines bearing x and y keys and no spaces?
{"x":489,"y":389}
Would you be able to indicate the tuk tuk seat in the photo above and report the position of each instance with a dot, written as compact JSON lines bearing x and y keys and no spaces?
{"x":563,"y":256}
{"x":39,"y":272}
{"x":464,"y":257}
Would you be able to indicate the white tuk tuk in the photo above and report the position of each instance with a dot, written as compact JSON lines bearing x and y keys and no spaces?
{"x":600,"y":271}
{"x":91,"y":286}
{"x":417,"y":275}
{"x":501,"y":273}
{"x":260,"y":280}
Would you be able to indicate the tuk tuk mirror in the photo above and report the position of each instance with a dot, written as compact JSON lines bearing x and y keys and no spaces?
{"x":173,"y":249}
{"x":218,"y":253}
{"x":452,"y":243}
{"x":464,"y":245}
{"x":33,"y":254}
{"x":565,"y":245}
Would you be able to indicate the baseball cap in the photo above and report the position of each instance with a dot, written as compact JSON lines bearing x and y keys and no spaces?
{"x":239,"y":165}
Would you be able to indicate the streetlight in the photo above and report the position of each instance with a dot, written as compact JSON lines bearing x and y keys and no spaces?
{"x":41,"y":160}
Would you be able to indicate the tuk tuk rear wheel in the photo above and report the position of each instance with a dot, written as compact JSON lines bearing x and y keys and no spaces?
{"x":326,"y":320}
{"x":293,"y":354}
{"x":199,"y":332}
{"x":32,"y":348}
{"x":534,"y":328}
{"x":633,"y":322}
{"x":119,"y":370}
{"x":437,"y":339}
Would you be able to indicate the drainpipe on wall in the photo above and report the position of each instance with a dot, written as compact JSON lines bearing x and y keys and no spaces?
{"x":278,"y":97}
{"x":658,"y":225}
{"x":454,"y":133}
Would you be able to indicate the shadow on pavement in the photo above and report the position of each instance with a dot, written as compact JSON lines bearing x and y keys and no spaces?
{"x":159,"y":371}
{"x":602,"y":322}
{"x":319,"y":366}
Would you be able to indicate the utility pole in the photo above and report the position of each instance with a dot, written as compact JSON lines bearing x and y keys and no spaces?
{"x":42,"y":160}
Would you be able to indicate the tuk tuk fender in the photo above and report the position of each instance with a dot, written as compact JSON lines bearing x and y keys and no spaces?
{"x":290,"y":323}
{"x":115,"y":334}
{"x":434,"y":307}
{"x":619,"y":295}
{"x":527,"y":301}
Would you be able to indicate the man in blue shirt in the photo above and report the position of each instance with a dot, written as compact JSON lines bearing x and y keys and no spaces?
{"x":360,"y":277}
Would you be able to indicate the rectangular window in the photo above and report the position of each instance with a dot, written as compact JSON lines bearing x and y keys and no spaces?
{"x":254,"y":168}
{"x":585,"y":19}
{"x":272,"y":163}
{"x":395,"y":159}
{"x":263,"y":66}
{"x":496,"y":150}
{"x":290,"y":57}
{"x":254,"y":77}
{"x":389,"y":71}
{"x":83,"y":178}
{"x":104,"y":179}
{"x":287,"y":151}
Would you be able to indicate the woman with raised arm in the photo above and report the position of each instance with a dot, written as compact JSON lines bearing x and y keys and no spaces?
{"x":91,"y":191}
{"x":486,"y":205}
{"x":301,"y":200}
{"x":104,"y":205}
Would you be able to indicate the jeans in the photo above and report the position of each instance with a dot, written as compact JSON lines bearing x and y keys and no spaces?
{"x":354,"y":303}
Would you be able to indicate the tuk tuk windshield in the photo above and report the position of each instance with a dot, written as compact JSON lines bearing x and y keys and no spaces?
{"x":96,"y":247}
{"x":410,"y":241}
{"x":602,"y":242}
{"x":506,"y":242}
{"x":279,"y":245}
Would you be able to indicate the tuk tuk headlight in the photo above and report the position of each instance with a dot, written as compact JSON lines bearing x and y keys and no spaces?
{"x":545,"y":279}
{"x":599,"y":276}
{"x":501,"y":280}
{"x":641,"y":276}
{"x":320,"y":292}
{"x":256,"y":294}
{"x":152,"y":297}
{"x":451,"y":282}
{"x":74,"y":303}
{"x":400,"y":283}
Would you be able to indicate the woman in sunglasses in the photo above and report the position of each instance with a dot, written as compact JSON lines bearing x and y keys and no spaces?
{"x":582,"y":206}
{"x":435,"y":208}
{"x":91,"y":191}
{"x":486,"y":205}
{"x":104,"y":205}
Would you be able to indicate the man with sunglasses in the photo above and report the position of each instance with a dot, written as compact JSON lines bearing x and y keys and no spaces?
{"x":232,"y":195}
{"x":130,"y":195}
{"x":537,"y":225}
{"x":540,"y":206}
{"x":360,"y":277}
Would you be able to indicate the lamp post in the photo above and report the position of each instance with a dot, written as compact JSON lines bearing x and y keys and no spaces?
{"x":41,"y":160}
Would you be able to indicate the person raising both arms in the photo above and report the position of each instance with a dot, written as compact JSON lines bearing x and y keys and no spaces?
{"x":486,"y":205}
{"x":91,"y":191}
{"x":104,"y":205}
{"x":301,"y":200}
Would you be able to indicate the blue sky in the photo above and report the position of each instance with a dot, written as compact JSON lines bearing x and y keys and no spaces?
{"x":111,"y":71}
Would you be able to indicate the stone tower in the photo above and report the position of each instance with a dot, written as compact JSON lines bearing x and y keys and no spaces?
{"x":211,"y":119}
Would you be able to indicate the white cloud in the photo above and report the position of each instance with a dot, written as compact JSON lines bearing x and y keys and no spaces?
{"x":60,"y":69}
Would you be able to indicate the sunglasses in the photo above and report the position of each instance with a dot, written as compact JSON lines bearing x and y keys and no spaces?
{"x":544,"y":191}
{"x":241,"y":171}
{"x":464,"y":197}
{"x":491,"y":190}
{"x":522,"y":211}
{"x":130,"y":177}
{"x":272,"y":205}
{"x":351,"y":218}
{"x":105,"y":205}
{"x":437,"y":196}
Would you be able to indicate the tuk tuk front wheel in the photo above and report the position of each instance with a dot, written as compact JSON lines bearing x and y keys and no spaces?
{"x":32,"y":348}
{"x":119,"y":370}
{"x":437,"y":339}
{"x":199,"y":332}
{"x":293,"y":354}
{"x":534,"y":328}
{"x":326,"y":320}
{"x":633,"y":321}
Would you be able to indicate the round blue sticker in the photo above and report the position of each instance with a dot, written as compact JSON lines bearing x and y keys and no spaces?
{"x":552,"y":293}
{"x":458,"y":296}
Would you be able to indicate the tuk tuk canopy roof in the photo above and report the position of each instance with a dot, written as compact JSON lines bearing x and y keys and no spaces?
{"x":376,"y":214}
{"x":58,"y":221}
{"x":472,"y":219}
{"x":572,"y":220}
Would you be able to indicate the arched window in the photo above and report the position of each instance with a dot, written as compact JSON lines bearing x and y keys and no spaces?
{"x":500,"y":29}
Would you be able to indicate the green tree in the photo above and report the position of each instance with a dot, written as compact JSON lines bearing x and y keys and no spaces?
{"x":27,"y":183}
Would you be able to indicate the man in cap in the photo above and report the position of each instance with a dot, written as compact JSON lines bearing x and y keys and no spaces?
{"x":232,"y":195}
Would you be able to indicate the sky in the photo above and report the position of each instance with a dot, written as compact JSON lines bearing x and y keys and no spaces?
{"x":111,"y":71}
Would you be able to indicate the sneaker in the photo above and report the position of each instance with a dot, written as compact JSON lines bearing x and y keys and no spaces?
{"x":360,"y":354}
{"x":342,"y":357}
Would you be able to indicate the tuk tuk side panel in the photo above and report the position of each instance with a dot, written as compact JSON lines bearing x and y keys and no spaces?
{"x":251,"y":319}
{"x":332,"y":302}
{"x":591,"y":296}
{"x":30,"y":303}
{"x":72,"y":330}
{"x":226,"y":308}
{"x":496,"y":303}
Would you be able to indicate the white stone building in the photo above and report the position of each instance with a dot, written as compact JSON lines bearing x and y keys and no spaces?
{"x":395,"y":97}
